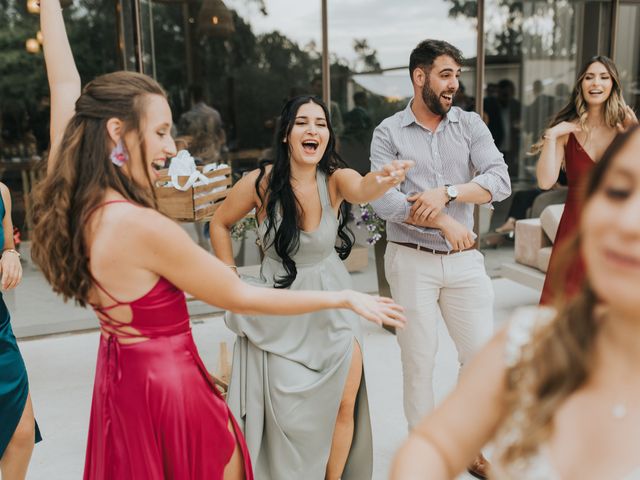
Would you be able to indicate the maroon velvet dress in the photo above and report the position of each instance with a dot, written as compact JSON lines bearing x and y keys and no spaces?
{"x":155,"y":413}
{"x":578,"y":165}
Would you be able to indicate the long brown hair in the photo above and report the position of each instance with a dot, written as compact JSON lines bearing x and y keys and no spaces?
{"x":576,"y":109}
{"x":559,"y":359}
{"x":83,"y":172}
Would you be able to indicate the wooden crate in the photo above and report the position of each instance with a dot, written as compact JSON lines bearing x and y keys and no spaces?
{"x":191,"y":205}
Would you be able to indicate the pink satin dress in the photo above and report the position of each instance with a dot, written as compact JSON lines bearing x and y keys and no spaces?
{"x":155,"y":412}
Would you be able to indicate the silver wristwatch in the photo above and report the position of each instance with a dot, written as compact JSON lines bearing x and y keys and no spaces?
{"x":452,"y":192}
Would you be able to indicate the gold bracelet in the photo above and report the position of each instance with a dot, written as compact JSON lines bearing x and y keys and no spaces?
{"x":12,"y":250}
{"x":232,"y":267}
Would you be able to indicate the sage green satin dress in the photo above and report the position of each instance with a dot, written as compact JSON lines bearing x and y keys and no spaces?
{"x":289,"y":372}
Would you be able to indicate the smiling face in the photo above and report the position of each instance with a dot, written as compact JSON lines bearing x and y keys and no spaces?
{"x":610,"y":230}
{"x":596,"y":84}
{"x":309,"y":135}
{"x":440,"y":84}
{"x":158,"y":142}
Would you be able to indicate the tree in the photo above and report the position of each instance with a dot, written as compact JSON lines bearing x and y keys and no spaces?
{"x":367,"y":56}
{"x":519,"y":28}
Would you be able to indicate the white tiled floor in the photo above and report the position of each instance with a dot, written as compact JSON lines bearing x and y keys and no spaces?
{"x":61,"y":372}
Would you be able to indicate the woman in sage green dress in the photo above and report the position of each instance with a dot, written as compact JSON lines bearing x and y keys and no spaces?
{"x":18,"y":430}
{"x":297,"y":384}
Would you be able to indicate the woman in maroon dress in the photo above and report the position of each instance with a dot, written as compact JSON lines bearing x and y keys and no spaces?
{"x":576,"y":139}
{"x":99,"y":241}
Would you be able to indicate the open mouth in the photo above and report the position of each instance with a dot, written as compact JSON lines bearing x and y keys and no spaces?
{"x":595,"y":92}
{"x":447,"y":97}
{"x":310,"y":146}
{"x":158,"y":164}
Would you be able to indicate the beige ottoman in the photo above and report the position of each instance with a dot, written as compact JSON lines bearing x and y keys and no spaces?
{"x":550,"y":219}
{"x":544,"y":255}
{"x":530,"y":238}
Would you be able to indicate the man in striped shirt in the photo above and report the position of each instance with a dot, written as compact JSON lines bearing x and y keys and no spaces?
{"x":430,"y":262}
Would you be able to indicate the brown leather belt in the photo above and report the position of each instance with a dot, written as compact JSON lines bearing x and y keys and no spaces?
{"x":422,"y":248}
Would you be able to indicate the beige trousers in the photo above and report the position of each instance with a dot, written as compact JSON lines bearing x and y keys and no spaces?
{"x":428,"y":285}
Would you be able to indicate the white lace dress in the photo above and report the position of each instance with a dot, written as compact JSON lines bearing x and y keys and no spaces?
{"x":537,"y":466}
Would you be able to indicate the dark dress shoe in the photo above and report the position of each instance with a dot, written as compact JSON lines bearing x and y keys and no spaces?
{"x":480,"y":467}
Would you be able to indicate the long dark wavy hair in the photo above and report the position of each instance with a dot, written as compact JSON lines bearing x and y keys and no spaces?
{"x":560,"y":358}
{"x":64,"y":200}
{"x":282,"y":207}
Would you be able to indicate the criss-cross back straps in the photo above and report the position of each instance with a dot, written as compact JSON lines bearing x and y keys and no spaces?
{"x":113,"y":325}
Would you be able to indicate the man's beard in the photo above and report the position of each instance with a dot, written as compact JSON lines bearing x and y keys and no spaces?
{"x":432,"y":101}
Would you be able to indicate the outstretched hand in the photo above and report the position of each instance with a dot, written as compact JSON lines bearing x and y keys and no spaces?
{"x":395,"y":172}
{"x":376,"y":309}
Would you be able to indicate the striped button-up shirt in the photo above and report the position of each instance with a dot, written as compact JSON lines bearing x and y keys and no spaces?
{"x":461,"y":150}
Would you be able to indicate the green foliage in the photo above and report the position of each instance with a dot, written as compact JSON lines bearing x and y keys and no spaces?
{"x":91,"y":30}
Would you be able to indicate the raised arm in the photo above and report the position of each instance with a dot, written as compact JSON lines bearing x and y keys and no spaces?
{"x":552,"y":154}
{"x":447,"y":440}
{"x":63,"y":76}
{"x":354,"y":188}
{"x":240,"y":201}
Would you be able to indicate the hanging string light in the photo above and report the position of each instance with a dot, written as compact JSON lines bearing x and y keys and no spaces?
{"x":32,"y":45}
{"x":215,"y":19}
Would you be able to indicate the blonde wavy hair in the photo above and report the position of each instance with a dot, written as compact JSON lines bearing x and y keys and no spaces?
{"x":560,"y":357}
{"x":576,"y":109}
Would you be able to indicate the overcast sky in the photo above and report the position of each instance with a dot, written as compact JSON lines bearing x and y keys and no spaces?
{"x":392,"y":27}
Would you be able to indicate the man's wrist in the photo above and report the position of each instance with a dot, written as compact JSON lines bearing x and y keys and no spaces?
{"x":451,"y":193}
{"x":440,"y":221}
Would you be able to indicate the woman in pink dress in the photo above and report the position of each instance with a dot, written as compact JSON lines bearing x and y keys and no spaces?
{"x":97,"y":238}
{"x":576,"y":139}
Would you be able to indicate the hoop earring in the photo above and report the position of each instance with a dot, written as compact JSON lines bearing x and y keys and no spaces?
{"x":119,"y":155}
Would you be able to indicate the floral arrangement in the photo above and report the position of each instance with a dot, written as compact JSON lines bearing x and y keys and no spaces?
{"x":372,"y":222}
{"x":240,"y":229}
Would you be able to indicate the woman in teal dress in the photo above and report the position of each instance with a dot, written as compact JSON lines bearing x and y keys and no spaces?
{"x":18,"y":429}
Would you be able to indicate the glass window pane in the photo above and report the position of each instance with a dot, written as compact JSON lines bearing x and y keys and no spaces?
{"x":24,"y":137}
{"x":627,"y":59}
{"x":533,"y":50}
{"x":370,"y":66}
{"x":244,"y":58}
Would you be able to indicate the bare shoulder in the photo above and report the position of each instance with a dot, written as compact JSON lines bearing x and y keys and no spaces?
{"x":339,"y":181}
{"x":131,"y":227}
{"x":343,"y":174}
{"x":248,"y":182}
{"x":6,"y":195}
{"x":145,"y":221}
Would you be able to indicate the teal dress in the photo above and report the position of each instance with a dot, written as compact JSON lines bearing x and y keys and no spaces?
{"x":14,"y":385}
